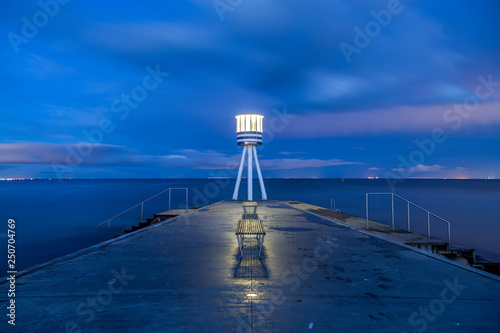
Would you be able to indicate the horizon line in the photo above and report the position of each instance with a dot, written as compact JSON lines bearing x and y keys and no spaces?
{"x":234,"y":178}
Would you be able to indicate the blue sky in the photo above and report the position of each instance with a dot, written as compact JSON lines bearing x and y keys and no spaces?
{"x":348,"y":88}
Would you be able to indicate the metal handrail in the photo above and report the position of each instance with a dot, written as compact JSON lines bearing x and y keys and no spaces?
{"x":332,"y":206}
{"x":169,"y":190}
{"x":408,"y":203}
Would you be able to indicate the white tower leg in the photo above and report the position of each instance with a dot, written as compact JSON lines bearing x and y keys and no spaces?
{"x":250,"y":176}
{"x":259,"y":173}
{"x":240,"y":172}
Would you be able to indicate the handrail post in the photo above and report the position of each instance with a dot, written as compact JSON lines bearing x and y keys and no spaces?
{"x":392,"y":196}
{"x":109,"y":224}
{"x":367,"y":211}
{"x":186,"y":200}
{"x":428,"y":224}
{"x":408,"y":205}
{"x":169,"y":197}
{"x":142,"y":210}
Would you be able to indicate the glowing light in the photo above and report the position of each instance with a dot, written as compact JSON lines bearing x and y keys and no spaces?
{"x":249,"y":123}
{"x":251,"y":295}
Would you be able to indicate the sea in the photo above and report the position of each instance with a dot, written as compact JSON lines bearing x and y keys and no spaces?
{"x":53,"y":218}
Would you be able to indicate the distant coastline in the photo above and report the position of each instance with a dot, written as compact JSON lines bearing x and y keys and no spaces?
{"x":231,"y":178}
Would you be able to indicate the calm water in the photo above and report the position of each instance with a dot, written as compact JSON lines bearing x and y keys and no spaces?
{"x":56,"y":218}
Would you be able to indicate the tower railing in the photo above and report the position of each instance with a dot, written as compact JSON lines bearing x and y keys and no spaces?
{"x":169,"y":190}
{"x":408,"y":204}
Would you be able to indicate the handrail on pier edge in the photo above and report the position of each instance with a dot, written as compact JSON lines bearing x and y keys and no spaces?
{"x":408,"y":203}
{"x":169,"y":190}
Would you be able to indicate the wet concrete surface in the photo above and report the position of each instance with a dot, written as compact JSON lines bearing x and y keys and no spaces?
{"x":186,"y":275}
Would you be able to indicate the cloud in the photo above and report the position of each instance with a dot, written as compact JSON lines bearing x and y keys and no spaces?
{"x":71,"y":116}
{"x":46,"y":69}
{"x":30,"y":153}
{"x":294,"y":163}
{"x":195,"y":159}
{"x":420,"y":168}
{"x":327,"y":87}
{"x":150,"y":36}
{"x":295,"y":60}
{"x":82,"y":153}
{"x":106,"y":155}
{"x":211,"y":160}
{"x":290,"y":153}
{"x":391,"y":120}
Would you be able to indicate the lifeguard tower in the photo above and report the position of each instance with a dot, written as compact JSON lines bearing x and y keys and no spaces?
{"x":249,"y":131}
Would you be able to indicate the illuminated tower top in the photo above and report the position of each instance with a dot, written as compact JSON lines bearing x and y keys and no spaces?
{"x":249,"y":129}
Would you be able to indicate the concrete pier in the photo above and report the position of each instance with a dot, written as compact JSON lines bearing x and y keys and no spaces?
{"x":186,"y":275}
